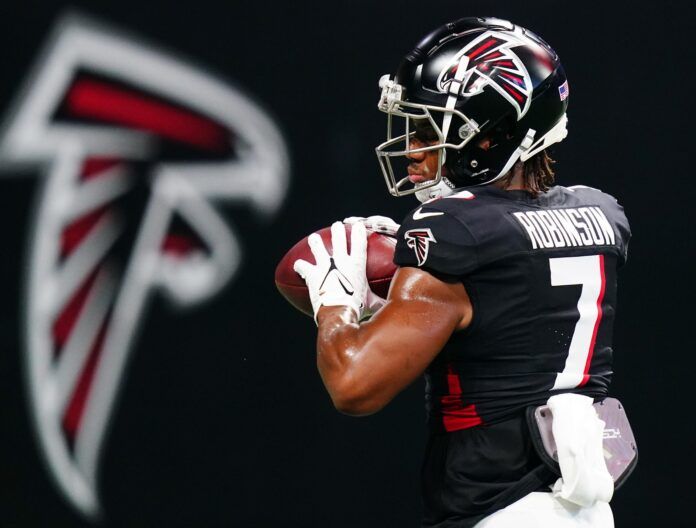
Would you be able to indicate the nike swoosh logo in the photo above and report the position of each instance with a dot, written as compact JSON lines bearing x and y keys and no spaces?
{"x":342,"y":279}
{"x":349,"y":291}
{"x":417,"y":215}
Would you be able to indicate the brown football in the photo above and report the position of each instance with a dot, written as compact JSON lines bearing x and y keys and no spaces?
{"x":380,"y":267}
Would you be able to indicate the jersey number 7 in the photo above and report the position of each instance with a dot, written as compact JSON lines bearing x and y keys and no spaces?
{"x":589,"y":272}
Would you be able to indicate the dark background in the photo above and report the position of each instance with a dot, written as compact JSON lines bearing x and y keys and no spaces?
{"x":223,"y":420}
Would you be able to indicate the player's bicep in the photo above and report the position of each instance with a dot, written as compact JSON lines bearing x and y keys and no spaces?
{"x":421,"y":313}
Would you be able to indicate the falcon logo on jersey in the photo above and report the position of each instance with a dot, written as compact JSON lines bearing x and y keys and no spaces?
{"x":489,"y":61}
{"x":419,"y":240}
{"x":136,"y":145}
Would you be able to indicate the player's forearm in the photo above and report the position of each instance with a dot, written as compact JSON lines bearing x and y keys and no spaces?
{"x":341,"y":362}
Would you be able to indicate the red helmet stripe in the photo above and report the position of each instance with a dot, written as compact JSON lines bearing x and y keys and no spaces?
{"x":516,"y":78}
{"x":513,"y":92}
{"x":491,"y":55}
{"x":483,"y":47}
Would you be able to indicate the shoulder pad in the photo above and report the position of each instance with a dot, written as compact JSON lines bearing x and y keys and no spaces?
{"x":590,"y":190}
{"x":614,"y":211}
{"x":433,"y":239}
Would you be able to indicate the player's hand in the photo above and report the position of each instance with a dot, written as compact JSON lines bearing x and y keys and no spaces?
{"x":376,"y":223}
{"x":338,"y":279}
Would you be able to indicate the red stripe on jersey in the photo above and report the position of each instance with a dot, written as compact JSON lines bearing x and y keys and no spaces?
{"x":600,"y":298}
{"x":455,"y":415}
{"x":464,"y":418}
{"x":99,"y":100}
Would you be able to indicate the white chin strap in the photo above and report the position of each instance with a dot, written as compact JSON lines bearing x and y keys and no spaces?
{"x":519,"y":152}
{"x":557,"y":134}
{"x":442,"y":189}
{"x":531,"y":145}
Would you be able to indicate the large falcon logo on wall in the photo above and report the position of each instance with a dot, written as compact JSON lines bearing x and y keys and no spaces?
{"x":489,"y":60}
{"x":135,"y":146}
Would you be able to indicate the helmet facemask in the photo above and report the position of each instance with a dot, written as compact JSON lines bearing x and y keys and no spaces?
{"x":432,"y":125}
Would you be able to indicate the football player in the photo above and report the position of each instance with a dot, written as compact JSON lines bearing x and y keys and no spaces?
{"x":506,"y":291}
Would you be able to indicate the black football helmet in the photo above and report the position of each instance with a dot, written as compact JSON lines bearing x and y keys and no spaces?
{"x":468,"y":80}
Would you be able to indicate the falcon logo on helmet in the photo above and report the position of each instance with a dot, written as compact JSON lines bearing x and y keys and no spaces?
{"x":136,"y":145}
{"x":489,"y":61}
{"x":419,"y":241}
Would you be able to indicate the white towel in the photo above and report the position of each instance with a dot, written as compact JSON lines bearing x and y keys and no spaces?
{"x":579,"y":432}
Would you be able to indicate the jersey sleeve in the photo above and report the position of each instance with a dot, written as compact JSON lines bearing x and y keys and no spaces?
{"x":435,"y":241}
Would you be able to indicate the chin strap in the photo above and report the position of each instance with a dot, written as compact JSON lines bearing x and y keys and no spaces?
{"x":557,"y":134}
{"x":440,"y":190}
{"x":517,"y":154}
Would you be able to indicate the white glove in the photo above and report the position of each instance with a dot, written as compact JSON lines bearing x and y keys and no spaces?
{"x":338,"y":279}
{"x":376,"y":223}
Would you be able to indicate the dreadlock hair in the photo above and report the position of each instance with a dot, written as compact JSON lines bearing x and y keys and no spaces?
{"x":537,"y":174}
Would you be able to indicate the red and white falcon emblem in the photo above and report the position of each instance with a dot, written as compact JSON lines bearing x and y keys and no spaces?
{"x":135,"y":146}
{"x":489,"y":60}
{"x":419,"y":241}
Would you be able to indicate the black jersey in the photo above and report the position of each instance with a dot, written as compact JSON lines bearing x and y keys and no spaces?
{"x":541,"y":275}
